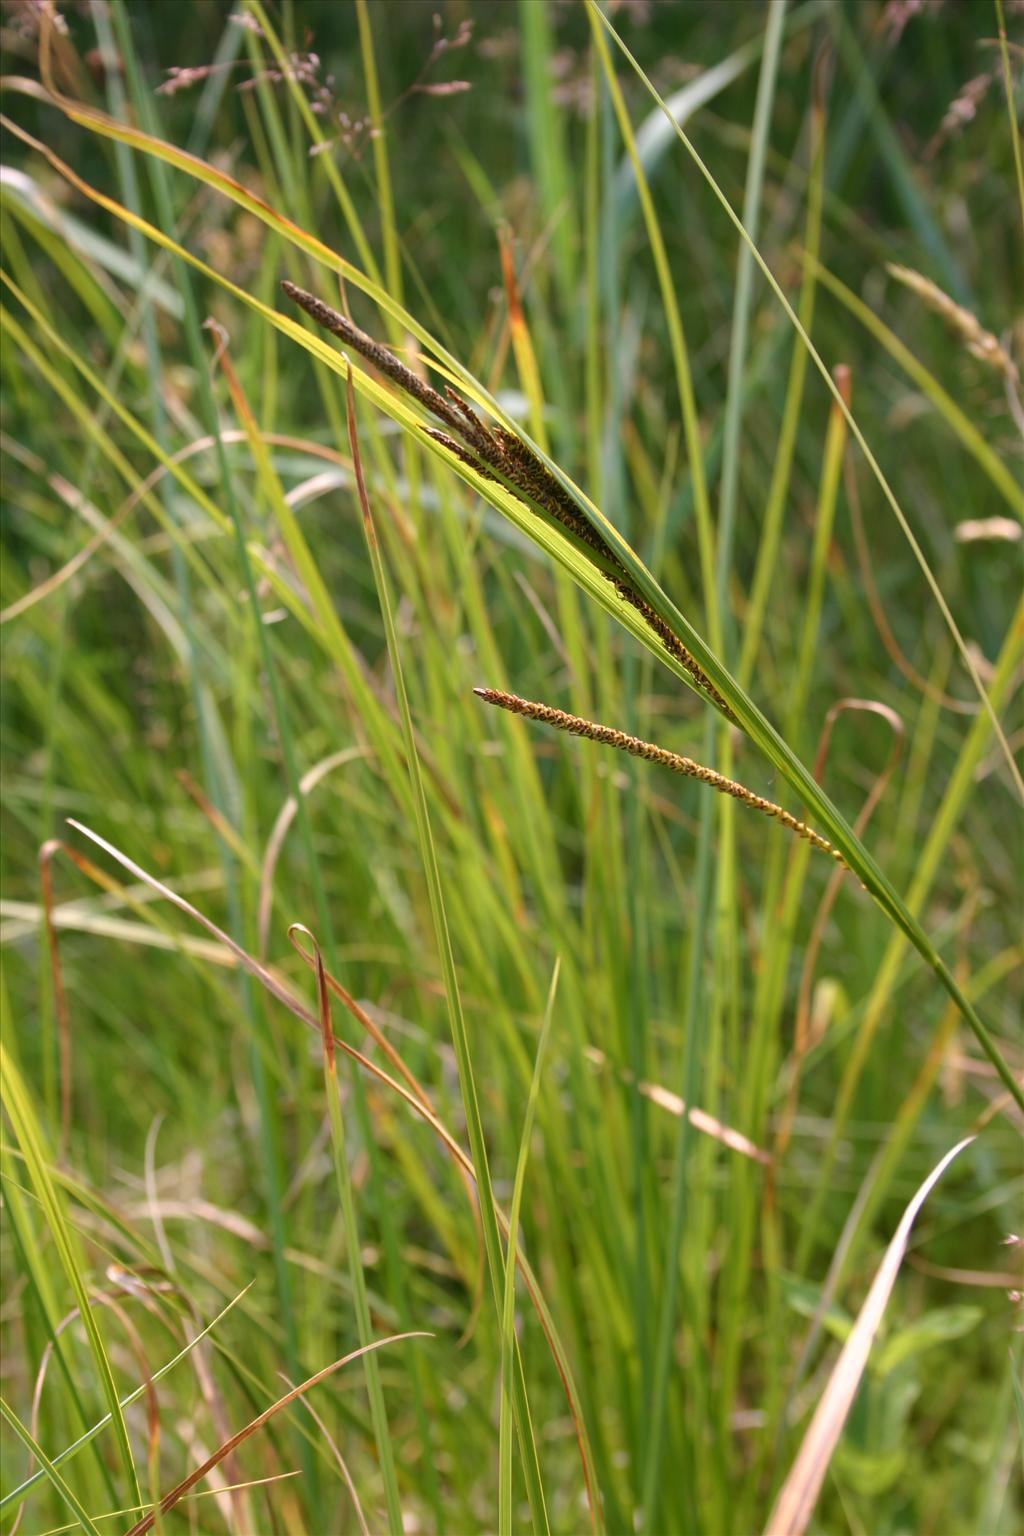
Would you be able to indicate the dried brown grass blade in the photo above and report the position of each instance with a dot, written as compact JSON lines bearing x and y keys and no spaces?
{"x":359,"y":1013}
{"x":277,"y":989}
{"x":180,"y":1489}
{"x":339,"y":1458}
{"x":60,"y":1002}
{"x":273,"y":985}
{"x":798,"y":1496}
{"x":698,"y":1118}
{"x":285,"y":816}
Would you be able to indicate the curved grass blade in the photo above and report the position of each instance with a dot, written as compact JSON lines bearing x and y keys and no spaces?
{"x":48,"y":1469}
{"x":798,"y":1496}
{"x":198,"y":1473}
{"x":887,"y":491}
{"x":508,"y":1337}
{"x":281,"y":992}
{"x":29,"y":1138}
{"x":11,"y":1500}
{"x":749,"y":716}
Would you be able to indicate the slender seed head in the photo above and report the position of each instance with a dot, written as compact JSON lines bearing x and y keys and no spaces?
{"x":651,"y":753}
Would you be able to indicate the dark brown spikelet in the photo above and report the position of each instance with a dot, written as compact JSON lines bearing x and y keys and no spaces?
{"x":500,"y":455}
{"x":672,"y":643}
{"x":533,"y":477}
{"x":474,"y":427}
{"x":652,"y":753}
{"x":384,"y":361}
{"x":462,"y":453}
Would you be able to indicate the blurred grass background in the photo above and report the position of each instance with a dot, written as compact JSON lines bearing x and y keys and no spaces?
{"x":219,"y":639}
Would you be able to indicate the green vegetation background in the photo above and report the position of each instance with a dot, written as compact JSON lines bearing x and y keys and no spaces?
{"x":168,"y":1140}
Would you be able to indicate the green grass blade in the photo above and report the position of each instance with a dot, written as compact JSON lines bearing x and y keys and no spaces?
{"x":548,"y":149}
{"x":48,"y":1468}
{"x":1011,"y":111}
{"x":343,"y":1179}
{"x":595,"y":12}
{"x":677,"y":341}
{"x":768,"y":545}
{"x":30,"y":1140}
{"x":742,"y":305}
{"x":508,"y":1338}
{"x":453,"y":998}
{"x":11,"y":1501}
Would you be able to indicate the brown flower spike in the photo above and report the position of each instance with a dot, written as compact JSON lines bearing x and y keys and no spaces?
{"x":651,"y":753}
{"x":498,"y":454}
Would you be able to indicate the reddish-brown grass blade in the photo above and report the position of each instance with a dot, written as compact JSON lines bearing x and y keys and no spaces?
{"x":180,"y":1489}
{"x":283,"y":994}
{"x":60,"y":1002}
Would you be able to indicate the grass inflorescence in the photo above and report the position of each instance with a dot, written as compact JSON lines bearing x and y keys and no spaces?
{"x":609,"y":736}
{"x":500,"y":454}
{"x":415,"y":1120}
